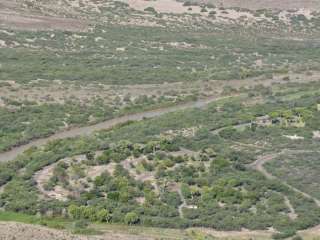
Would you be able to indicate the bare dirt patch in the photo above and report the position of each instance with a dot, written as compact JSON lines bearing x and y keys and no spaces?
{"x":19,"y":231}
{"x":130,"y":165}
{"x":223,"y":11}
{"x":77,"y":183}
{"x":292,"y":214}
{"x":43,"y":176}
{"x":316,"y":134}
{"x":243,"y":234}
{"x":19,"y":21}
{"x":164,"y":6}
{"x":271,"y":4}
{"x":44,"y":92}
{"x":311,"y":233}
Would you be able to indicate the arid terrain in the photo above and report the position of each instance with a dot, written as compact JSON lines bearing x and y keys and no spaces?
{"x":159,"y":119}
{"x":262,"y":4}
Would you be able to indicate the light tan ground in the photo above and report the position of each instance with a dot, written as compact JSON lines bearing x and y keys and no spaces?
{"x":243,"y":234}
{"x":19,"y":231}
{"x":262,"y":4}
{"x":164,"y":6}
{"x":311,"y":233}
{"x":32,"y":22}
{"x":15,"y":15}
{"x":231,"y":15}
{"x":77,"y":184}
{"x":42,"y":91}
{"x":173,"y":6}
{"x":43,"y":176}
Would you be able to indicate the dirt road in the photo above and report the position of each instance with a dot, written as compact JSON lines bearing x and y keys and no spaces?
{"x":82,"y":131}
{"x":183,"y":204}
{"x":259,"y":166}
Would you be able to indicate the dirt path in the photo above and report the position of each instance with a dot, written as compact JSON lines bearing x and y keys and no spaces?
{"x":292,"y":214}
{"x":82,"y":131}
{"x":182,"y":205}
{"x":259,"y":166}
{"x":239,"y":126}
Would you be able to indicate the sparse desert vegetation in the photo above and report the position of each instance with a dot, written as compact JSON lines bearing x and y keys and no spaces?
{"x":159,"y":119}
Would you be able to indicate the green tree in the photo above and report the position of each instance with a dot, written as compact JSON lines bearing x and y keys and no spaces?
{"x":185,"y":190}
{"x":90,"y":155}
{"x":131,"y":218}
{"x":74,"y":211}
{"x":103,"y":216}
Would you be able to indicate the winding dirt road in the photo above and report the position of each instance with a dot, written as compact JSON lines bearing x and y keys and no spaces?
{"x":259,"y":166}
{"x":87,"y":130}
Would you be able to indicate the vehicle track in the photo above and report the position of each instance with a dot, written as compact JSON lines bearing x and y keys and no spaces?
{"x":258,"y":165}
{"x":108,"y":124}
{"x":182,"y":205}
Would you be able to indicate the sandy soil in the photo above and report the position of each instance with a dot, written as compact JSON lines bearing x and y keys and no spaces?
{"x":13,"y":14}
{"x":316,"y":134}
{"x":95,"y":171}
{"x":19,"y":231}
{"x":60,"y":92}
{"x":163,"y":6}
{"x":243,"y":234}
{"x":16,"y":20}
{"x":43,"y":176}
{"x":292,"y":214}
{"x":185,"y":152}
{"x":260,"y":4}
{"x":172,"y":6}
{"x":311,"y":233}
{"x":231,"y":15}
